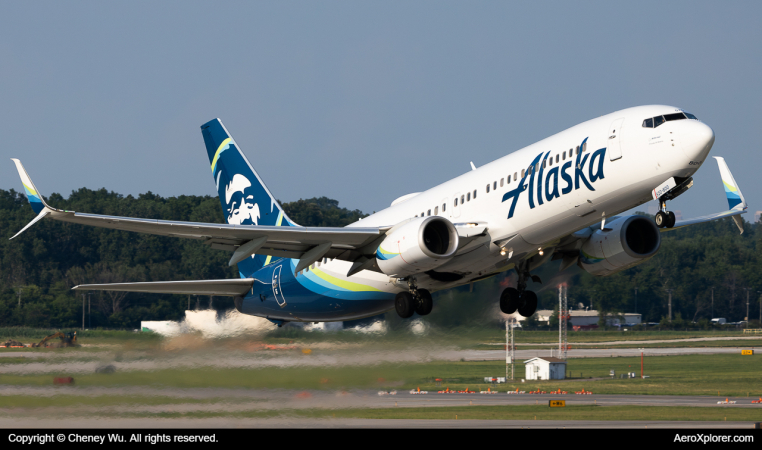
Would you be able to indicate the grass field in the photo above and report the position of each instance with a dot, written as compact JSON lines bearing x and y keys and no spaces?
{"x":724,"y":375}
{"x":147,"y":361}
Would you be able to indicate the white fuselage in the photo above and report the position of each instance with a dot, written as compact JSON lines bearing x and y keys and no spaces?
{"x":636,"y":160}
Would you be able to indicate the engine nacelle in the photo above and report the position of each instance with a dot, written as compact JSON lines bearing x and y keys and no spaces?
{"x":626,"y":242}
{"x":416,"y":246}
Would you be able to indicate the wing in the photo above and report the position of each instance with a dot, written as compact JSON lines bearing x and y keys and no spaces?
{"x":568,"y":247}
{"x":308,"y":244}
{"x":736,"y":201}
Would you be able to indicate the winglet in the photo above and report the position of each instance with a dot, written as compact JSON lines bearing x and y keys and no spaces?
{"x":35,"y":199}
{"x":735,"y":197}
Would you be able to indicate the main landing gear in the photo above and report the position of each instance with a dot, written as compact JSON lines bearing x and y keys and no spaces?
{"x":513,"y":299}
{"x":664,"y":218}
{"x":415,"y":301}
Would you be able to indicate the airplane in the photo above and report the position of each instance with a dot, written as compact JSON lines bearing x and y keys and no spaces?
{"x":557,"y":199}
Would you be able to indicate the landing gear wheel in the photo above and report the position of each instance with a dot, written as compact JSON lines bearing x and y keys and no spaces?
{"x":670,"y":219}
{"x":529,"y":299}
{"x":509,"y":300}
{"x":425,"y":303}
{"x":661,"y":219}
{"x":404,"y":304}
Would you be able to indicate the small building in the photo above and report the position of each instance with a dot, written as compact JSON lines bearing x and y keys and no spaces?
{"x":585,"y":318}
{"x":545,"y":369}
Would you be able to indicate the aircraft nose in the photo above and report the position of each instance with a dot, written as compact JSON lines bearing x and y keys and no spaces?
{"x":698,"y":139}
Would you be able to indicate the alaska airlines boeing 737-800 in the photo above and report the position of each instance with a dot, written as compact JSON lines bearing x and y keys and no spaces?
{"x":557,"y":199}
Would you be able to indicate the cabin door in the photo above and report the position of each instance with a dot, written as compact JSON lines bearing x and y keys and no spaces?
{"x":613,"y":145}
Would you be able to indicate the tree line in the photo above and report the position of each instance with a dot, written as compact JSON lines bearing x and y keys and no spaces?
{"x":38,"y":268}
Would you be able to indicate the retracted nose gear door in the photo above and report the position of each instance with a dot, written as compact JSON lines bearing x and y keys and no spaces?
{"x":277,"y":292}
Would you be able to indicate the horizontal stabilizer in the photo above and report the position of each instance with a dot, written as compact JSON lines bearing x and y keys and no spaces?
{"x":228,"y":287}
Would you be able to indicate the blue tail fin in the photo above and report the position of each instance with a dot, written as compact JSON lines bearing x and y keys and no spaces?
{"x":244,"y":197}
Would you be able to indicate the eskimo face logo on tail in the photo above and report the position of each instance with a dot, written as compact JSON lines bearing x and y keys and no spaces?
{"x":544,"y":184}
{"x":239,"y":197}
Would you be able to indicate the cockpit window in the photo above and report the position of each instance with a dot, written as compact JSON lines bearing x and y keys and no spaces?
{"x":658,"y":120}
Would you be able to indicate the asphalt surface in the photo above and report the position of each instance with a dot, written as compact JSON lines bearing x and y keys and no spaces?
{"x":240,"y":399}
{"x":217,"y":422}
{"x":490,"y":355}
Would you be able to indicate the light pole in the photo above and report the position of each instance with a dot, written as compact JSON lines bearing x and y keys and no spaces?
{"x":669,"y":313}
{"x":636,"y":299}
{"x":83,"y":311}
{"x":20,"y":290}
{"x":712,"y":318}
{"x":747,"y":306}
{"x":89,"y":313}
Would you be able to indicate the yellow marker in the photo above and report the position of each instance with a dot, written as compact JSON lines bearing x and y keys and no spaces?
{"x":747,"y":352}
{"x":557,"y":403}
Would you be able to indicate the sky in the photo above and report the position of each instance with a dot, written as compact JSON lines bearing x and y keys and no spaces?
{"x":361,"y":102}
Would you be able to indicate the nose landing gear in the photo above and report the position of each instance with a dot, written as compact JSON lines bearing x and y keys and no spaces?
{"x":664,"y":218}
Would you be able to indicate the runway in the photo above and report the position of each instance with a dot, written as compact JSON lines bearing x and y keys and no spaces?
{"x":494,"y":355}
{"x":242,"y":399}
{"x":291,"y":423}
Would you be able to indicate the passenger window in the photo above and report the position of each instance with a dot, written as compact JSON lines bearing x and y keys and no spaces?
{"x":428,"y":213}
{"x":468,"y":197}
{"x":584,"y":147}
{"x":436,"y":210}
{"x":522,"y":173}
{"x":488,"y":188}
{"x":658,"y":120}
{"x":444,"y":206}
{"x":474,"y":194}
{"x":501,"y":180}
{"x":494,"y":185}
{"x":509,"y":179}
{"x":456,"y":202}
{"x":648,"y":123}
{"x":515,"y":176}
{"x":422,"y":215}
{"x":462,"y":199}
{"x":557,"y":156}
{"x":550,"y":161}
{"x":578,"y":150}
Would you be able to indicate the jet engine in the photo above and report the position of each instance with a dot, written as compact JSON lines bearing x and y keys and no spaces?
{"x":417,"y":245}
{"x":625,"y":242}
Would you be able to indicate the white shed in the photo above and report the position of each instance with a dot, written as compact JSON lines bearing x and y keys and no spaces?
{"x":545,"y":369}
